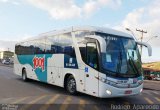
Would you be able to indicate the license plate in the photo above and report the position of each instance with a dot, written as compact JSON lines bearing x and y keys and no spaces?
{"x":128,"y":92}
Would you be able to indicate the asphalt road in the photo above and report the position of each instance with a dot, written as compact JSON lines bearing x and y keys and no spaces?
{"x":14,"y":91}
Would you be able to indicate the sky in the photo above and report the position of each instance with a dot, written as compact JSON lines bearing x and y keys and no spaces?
{"x":21,"y":19}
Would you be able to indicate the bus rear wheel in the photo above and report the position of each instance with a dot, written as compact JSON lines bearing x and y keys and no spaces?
{"x":71,"y":85}
{"x":24,"y":75}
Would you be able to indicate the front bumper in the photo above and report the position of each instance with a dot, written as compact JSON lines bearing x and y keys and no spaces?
{"x":117,"y":92}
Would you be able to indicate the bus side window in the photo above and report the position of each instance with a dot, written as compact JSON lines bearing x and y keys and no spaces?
{"x":83,"y":52}
{"x":69,"y":50}
{"x":92,"y":55}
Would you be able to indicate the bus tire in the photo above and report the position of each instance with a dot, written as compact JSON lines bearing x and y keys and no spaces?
{"x":24,"y":75}
{"x":71,"y":85}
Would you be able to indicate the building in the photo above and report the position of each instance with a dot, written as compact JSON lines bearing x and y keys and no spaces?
{"x":6,"y":54}
{"x":151,"y":70}
{"x":154,"y":66}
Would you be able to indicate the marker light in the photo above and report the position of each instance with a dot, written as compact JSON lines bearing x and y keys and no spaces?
{"x":141,"y":90}
{"x":108,"y":92}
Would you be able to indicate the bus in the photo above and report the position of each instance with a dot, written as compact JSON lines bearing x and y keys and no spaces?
{"x":96,"y":61}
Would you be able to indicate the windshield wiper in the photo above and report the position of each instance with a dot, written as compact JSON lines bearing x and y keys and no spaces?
{"x":133,"y":64}
{"x":119,"y":62}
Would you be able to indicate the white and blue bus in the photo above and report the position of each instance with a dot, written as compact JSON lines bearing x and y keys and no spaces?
{"x":97,"y":61}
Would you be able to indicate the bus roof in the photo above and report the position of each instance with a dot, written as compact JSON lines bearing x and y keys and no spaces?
{"x":81,"y":28}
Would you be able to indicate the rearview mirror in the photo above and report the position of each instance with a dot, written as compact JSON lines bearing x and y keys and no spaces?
{"x":147,"y":46}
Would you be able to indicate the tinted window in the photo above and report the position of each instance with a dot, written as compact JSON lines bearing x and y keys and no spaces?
{"x":39,"y":46}
{"x":24,"y":49}
{"x":82,"y":49}
{"x":69,"y":50}
{"x":57,"y":44}
{"x":30,"y":47}
{"x":60,"y":44}
{"x":18,"y":49}
{"x":92,"y":55}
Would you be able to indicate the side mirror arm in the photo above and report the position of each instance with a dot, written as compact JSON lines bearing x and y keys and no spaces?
{"x":147,"y":46}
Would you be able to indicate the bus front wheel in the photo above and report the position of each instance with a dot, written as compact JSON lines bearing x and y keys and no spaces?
{"x":24,"y":75}
{"x":71,"y":85}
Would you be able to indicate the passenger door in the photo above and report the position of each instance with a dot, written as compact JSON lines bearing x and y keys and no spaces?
{"x":91,"y":69}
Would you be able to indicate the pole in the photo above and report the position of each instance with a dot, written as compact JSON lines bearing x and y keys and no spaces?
{"x":142,"y":32}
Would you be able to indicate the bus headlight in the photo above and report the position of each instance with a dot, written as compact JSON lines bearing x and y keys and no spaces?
{"x":108,"y":92}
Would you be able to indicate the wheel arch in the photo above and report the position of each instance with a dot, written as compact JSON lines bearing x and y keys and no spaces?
{"x":23,"y":68}
{"x":66,"y":77}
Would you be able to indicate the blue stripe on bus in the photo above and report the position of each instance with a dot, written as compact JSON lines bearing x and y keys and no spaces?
{"x":28,"y":59}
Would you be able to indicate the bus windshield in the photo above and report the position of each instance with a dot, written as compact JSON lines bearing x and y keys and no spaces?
{"x":122,"y":58}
